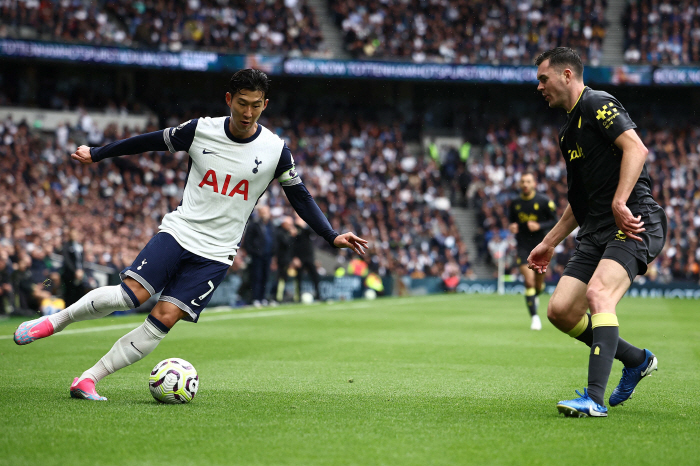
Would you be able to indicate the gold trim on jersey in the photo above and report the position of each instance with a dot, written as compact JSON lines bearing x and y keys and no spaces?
{"x":528,"y":198}
{"x":579,"y":98}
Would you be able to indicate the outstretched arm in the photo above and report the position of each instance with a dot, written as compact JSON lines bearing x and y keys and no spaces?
{"x":170,"y":139}
{"x":304,"y":204}
{"x":133,"y":145}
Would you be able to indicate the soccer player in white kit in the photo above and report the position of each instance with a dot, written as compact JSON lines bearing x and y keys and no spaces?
{"x":233,"y":159}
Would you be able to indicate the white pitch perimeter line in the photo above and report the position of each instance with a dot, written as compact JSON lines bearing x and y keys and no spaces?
{"x":245,"y":315}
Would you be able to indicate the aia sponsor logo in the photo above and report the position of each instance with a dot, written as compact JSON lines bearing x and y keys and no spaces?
{"x":210,"y":179}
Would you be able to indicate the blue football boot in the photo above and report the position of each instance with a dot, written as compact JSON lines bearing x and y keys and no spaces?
{"x":582,"y":407}
{"x":631,"y":377}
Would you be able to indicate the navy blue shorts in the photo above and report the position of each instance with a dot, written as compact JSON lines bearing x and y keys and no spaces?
{"x":183,"y":278}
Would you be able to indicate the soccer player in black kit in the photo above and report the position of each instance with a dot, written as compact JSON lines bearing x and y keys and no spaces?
{"x":531,"y":215}
{"x":621,"y":228}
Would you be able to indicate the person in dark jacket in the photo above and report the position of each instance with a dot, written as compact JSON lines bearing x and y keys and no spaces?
{"x":23,"y":285}
{"x":286,"y":236}
{"x":304,"y":250}
{"x":260,"y":245}
{"x":73,"y":273}
{"x":6,"y":290}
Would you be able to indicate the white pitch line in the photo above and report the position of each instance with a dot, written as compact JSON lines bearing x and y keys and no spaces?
{"x":86,"y":330}
{"x":245,"y":315}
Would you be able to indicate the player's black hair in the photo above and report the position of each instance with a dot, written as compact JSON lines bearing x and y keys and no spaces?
{"x":251,"y":80}
{"x":562,"y":57}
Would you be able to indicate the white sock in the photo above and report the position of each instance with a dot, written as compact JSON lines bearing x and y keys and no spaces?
{"x":130,"y":348}
{"x":98,"y":303}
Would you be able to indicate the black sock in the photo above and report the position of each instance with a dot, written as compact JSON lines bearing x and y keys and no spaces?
{"x":627,"y":353}
{"x":600,"y":361}
{"x":531,"y":305}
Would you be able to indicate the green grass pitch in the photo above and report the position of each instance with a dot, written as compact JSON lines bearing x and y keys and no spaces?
{"x":447,"y":380}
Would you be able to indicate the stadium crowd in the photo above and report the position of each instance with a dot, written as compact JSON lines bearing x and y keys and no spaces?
{"x":365,"y":181}
{"x":673,"y":153}
{"x":282,"y":26}
{"x":662,"y":32}
{"x":452,"y":31}
{"x":358,"y":171}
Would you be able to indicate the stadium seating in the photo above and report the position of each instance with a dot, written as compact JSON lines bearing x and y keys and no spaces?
{"x":447,"y":32}
{"x":353,"y":169}
{"x":675,"y":176}
{"x":662,"y":33}
{"x":232,"y":27}
{"x":470,"y":32}
{"x":360,"y":176}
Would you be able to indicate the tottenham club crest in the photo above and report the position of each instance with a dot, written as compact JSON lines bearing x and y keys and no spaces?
{"x":255,"y":170}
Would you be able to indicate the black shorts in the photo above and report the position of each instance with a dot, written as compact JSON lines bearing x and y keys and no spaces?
{"x":611,"y":243}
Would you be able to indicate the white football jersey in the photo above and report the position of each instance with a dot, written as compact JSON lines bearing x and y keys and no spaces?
{"x":226,"y":178}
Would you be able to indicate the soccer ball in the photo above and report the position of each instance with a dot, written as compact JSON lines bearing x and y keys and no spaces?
{"x":370,"y":294}
{"x":307,"y":298}
{"x":173,"y":381}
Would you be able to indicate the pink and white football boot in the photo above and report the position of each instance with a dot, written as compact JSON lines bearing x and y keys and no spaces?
{"x":85,"y":390}
{"x":32,"y":330}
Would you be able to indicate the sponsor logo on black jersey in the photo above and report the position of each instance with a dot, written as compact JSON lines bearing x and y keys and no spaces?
{"x":576,"y":154}
{"x":607,"y":114}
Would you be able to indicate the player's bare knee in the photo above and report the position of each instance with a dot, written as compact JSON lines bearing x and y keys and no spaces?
{"x":168,"y":313}
{"x":141,"y":293}
{"x":556,"y":312}
{"x":563,"y":314}
{"x":597,"y":295}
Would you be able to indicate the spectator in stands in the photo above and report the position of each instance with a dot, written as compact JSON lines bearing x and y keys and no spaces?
{"x":274,"y":27}
{"x":23,"y":286}
{"x":39,"y":263}
{"x":462,"y":32}
{"x":304,"y":251}
{"x":450,"y":276}
{"x":285,"y":238}
{"x":49,"y":295}
{"x":73,"y":268}
{"x":662,"y":33}
{"x":7,"y":296}
{"x":260,"y":244}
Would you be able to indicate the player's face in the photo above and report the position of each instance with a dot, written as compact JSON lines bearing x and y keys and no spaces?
{"x":246,"y":107}
{"x":527,"y":184}
{"x":553,"y":84}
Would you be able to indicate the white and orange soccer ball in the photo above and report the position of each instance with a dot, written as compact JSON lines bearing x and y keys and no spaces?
{"x":173,"y":381}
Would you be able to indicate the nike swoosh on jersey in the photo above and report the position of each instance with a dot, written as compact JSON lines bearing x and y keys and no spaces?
{"x":207,"y":152}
